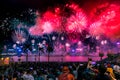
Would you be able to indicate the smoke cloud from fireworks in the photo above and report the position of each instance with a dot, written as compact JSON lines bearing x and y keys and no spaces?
{"x":103,"y":20}
{"x":48,"y":23}
{"x":107,"y":22}
{"x":94,"y":24}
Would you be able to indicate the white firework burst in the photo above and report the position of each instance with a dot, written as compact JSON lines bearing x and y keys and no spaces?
{"x":19,"y":36}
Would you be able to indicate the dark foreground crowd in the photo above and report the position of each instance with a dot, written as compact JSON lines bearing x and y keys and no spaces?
{"x":60,"y":71}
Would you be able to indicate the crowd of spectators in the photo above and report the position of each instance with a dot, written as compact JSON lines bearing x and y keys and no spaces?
{"x":60,"y":71}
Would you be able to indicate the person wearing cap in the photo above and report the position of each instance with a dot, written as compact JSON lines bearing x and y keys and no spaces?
{"x":110,"y":70}
{"x":66,"y":75}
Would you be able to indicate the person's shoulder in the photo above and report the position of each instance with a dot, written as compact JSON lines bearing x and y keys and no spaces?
{"x":24,"y":75}
{"x":31,"y":77}
{"x":107,"y":77}
{"x":101,"y":77}
{"x":60,"y":76}
{"x":70,"y":76}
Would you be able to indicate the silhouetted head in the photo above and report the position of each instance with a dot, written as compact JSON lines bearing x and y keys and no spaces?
{"x":65,"y":69}
{"x":102,"y":69}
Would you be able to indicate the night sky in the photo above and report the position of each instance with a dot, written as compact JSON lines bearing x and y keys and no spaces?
{"x":13,"y":8}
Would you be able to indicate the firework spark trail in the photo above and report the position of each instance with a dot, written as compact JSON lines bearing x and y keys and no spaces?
{"x":78,"y":21}
{"x":108,"y":22}
{"x":48,"y":23}
{"x":103,"y":21}
{"x":53,"y":19}
{"x":19,"y":35}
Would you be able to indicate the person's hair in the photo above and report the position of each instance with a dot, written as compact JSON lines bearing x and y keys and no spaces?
{"x":65,"y":69}
{"x":108,"y":65}
{"x":116,"y":63}
{"x":89,"y":59}
{"x":28,"y":72}
{"x":1,"y":77}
